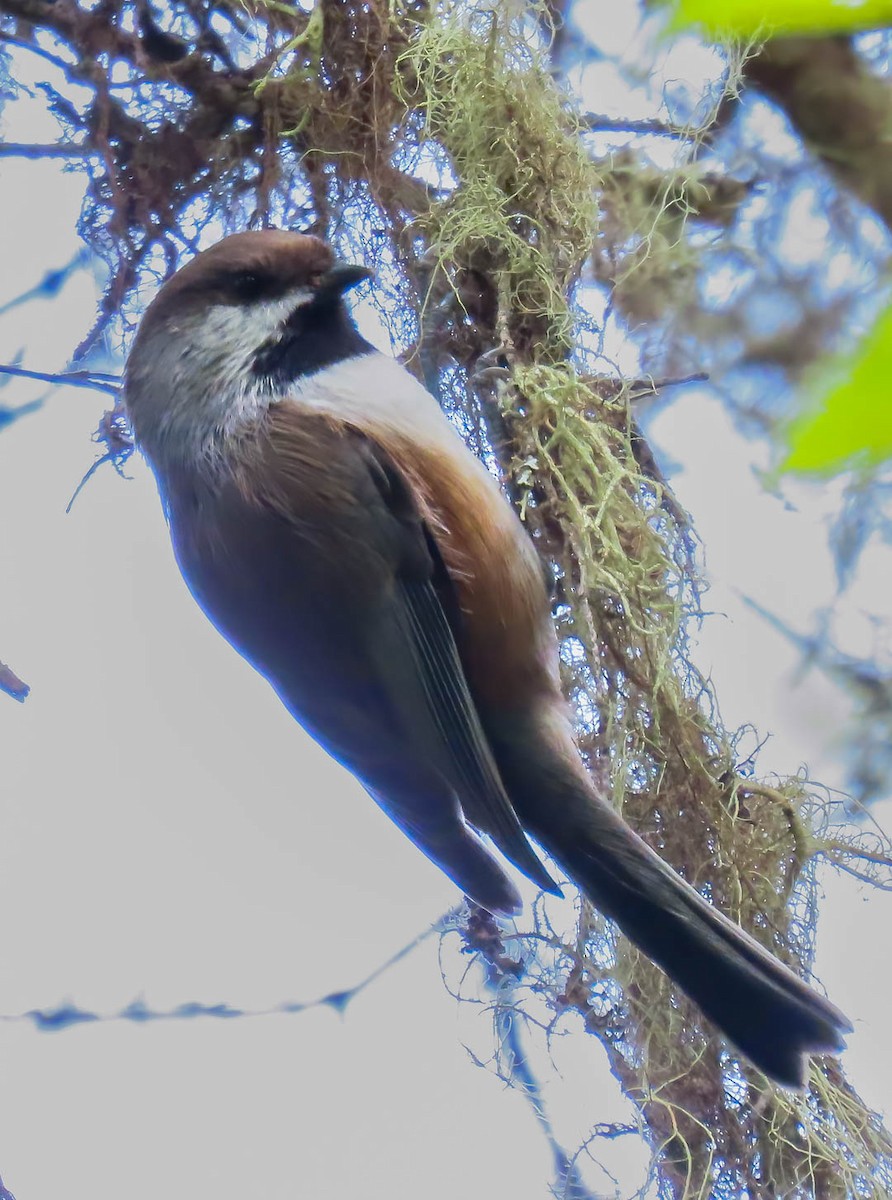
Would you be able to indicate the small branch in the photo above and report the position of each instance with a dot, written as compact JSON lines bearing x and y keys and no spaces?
{"x":805,"y":845}
{"x":113,"y":433}
{"x":595,"y":123}
{"x":839,"y":107}
{"x":609,"y":386}
{"x":482,"y":935}
{"x":855,"y":851}
{"x":569,"y":1183}
{"x":48,"y":287}
{"x":97,"y":381}
{"x":52,"y":150}
{"x":111,"y":456}
{"x":13,"y":686}
{"x":648,"y":386}
{"x":116,"y":288}
{"x":9,"y":416}
{"x":67,"y":1016}
{"x":753,"y":788}
{"x":864,"y":857}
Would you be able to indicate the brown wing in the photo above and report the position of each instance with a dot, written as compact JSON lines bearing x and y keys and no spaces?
{"x":426,"y":602}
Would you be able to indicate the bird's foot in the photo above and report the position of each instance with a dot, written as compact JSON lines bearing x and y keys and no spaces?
{"x":494,"y":367}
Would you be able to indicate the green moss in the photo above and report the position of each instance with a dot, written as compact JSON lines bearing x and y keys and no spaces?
{"x":526,"y":206}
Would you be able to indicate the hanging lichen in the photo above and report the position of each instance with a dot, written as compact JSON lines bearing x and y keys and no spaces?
{"x":649,"y":726}
{"x":525,"y":208}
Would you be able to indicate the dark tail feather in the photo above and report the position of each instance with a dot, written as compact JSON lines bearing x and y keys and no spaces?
{"x":765,"y":1009}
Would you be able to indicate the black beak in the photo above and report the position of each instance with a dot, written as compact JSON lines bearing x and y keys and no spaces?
{"x":340,"y":279}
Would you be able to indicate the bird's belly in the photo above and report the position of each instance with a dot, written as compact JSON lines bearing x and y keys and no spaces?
{"x":300,"y":624}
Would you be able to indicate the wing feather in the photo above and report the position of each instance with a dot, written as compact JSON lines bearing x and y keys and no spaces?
{"x":475,"y":774}
{"x":425,"y":596}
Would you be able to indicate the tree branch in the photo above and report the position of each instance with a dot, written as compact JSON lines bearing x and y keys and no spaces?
{"x":12,"y":685}
{"x":482,"y":934}
{"x":82,"y":379}
{"x":67,"y":1016}
{"x":50,"y":285}
{"x":600,"y":124}
{"x":53,"y":150}
{"x":842,"y":111}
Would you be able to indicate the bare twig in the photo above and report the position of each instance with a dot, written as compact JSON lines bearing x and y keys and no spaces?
{"x":13,"y":686}
{"x":51,"y":150}
{"x":49,"y":286}
{"x":596,"y":123}
{"x":109,"y":456}
{"x":67,"y":1016}
{"x":646,"y":387}
{"x":569,"y":1184}
{"x":97,"y":381}
{"x":8,"y":416}
{"x":114,"y":434}
{"x":482,"y":935}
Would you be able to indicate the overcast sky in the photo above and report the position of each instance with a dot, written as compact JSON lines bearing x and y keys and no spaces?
{"x":169,"y":833}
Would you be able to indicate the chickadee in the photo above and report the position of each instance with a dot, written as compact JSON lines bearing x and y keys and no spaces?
{"x":336,"y":530}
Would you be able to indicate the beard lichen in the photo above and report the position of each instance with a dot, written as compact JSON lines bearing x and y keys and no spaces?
{"x":650,"y":730}
{"x":525,"y":207}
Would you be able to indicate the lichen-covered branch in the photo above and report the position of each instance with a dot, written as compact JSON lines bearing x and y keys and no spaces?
{"x":649,"y":725}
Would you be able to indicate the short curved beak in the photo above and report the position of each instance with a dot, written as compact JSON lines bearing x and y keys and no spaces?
{"x":341,"y":277}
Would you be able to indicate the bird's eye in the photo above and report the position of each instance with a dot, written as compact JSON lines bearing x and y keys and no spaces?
{"x":250,"y":285}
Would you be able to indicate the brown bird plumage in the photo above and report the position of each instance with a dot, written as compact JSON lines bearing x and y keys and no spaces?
{"x":334,"y":527}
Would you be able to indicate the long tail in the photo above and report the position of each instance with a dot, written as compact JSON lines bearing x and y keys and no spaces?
{"x":765,"y":1009}
{"x":762,"y":1006}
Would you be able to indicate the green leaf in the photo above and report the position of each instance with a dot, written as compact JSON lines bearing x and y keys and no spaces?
{"x":849,"y":422}
{"x":768,"y":18}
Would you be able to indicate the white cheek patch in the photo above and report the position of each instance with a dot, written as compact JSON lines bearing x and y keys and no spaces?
{"x":236,"y":333}
{"x":276,"y":312}
{"x":227,"y":344}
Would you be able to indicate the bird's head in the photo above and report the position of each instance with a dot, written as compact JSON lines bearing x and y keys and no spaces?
{"x":229,"y":332}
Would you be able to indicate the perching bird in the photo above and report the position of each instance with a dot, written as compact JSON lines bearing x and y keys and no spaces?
{"x":333,"y":526}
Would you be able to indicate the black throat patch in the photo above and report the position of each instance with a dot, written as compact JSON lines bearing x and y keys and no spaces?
{"x":316,"y":335}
